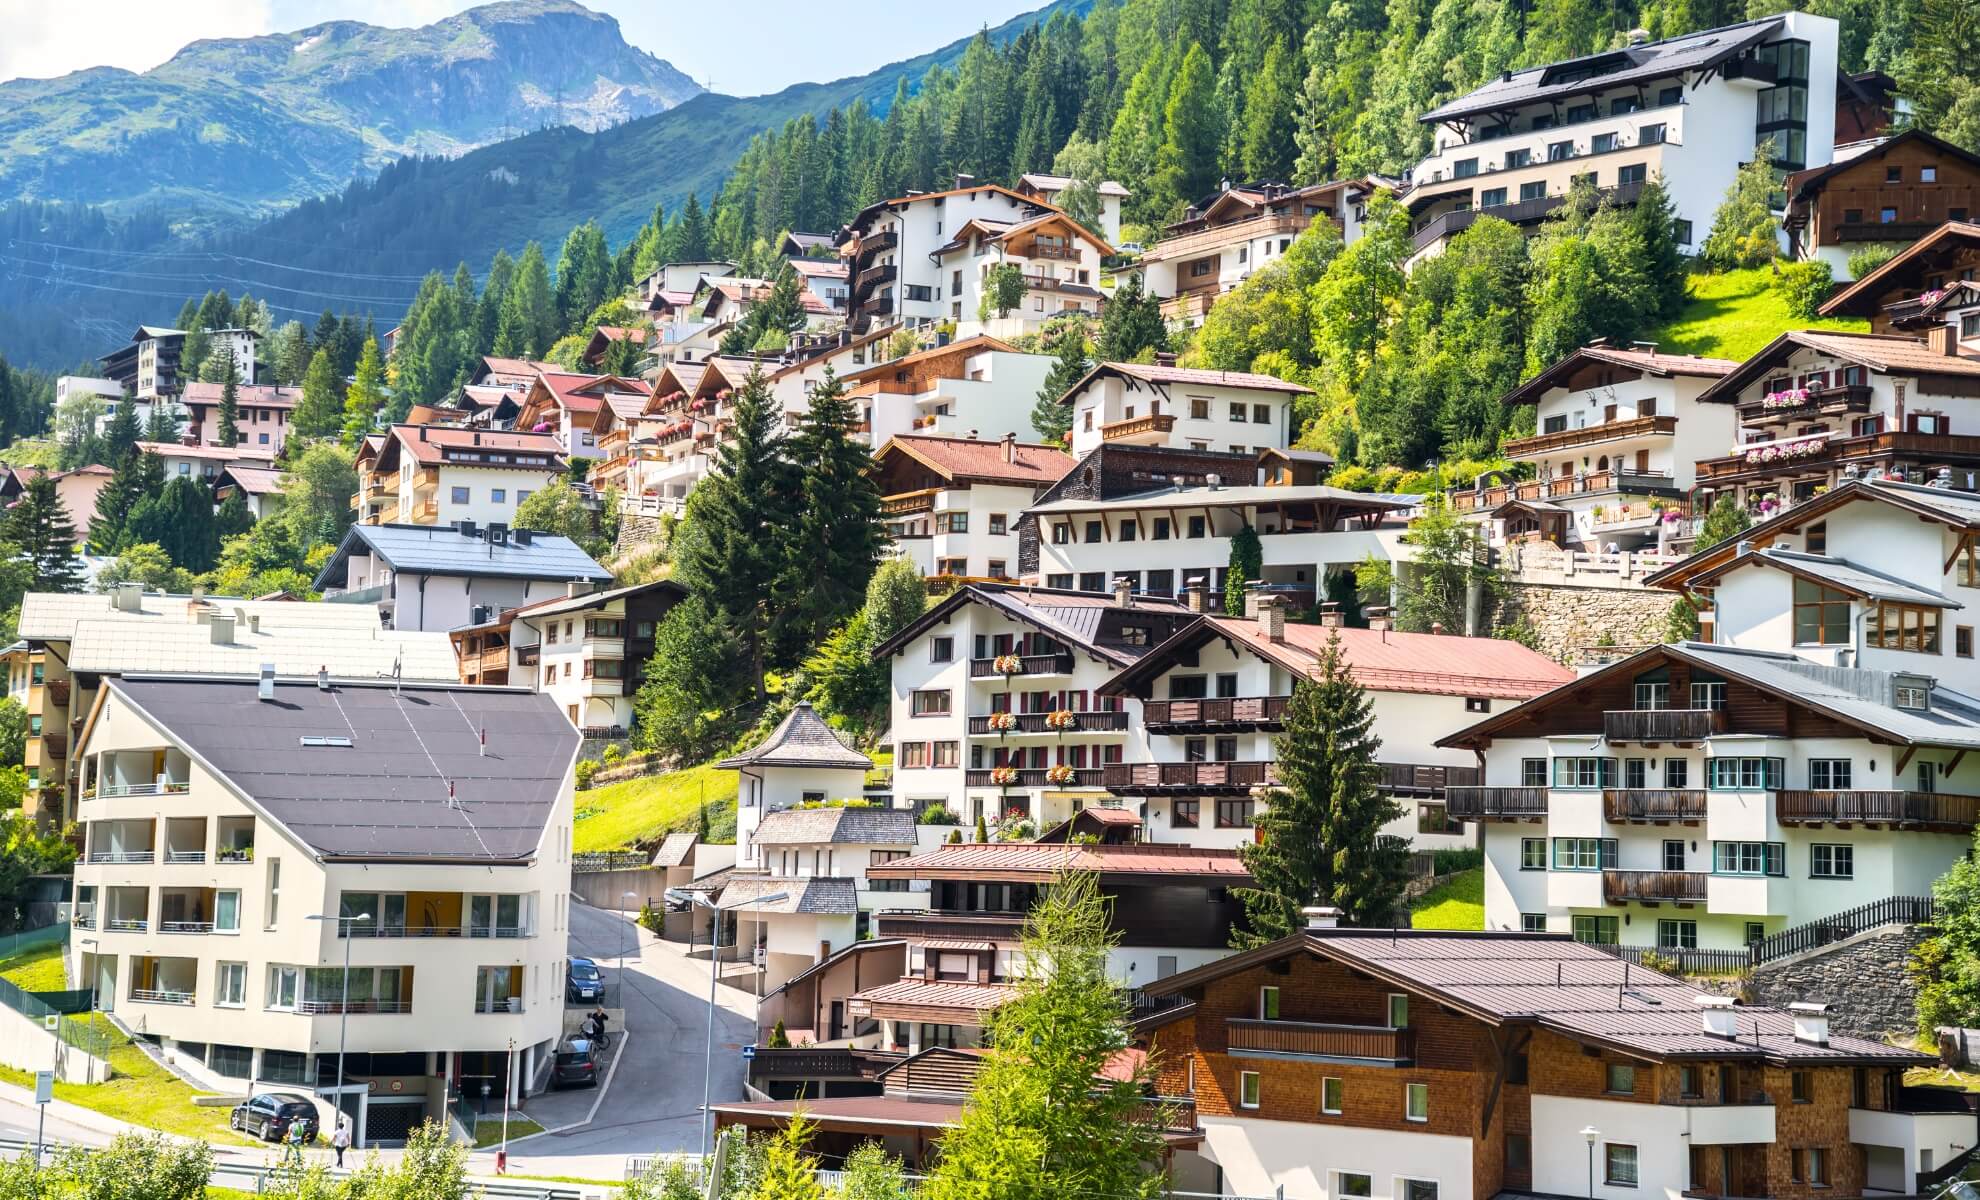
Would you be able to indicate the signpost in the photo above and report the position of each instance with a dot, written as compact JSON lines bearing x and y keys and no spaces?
{"x":749,"y":1051}
{"x":44,"y":1093}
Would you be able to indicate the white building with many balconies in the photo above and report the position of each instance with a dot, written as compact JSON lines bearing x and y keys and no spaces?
{"x":952,"y":505}
{"x":891,"y":248}
{"x":1160,"y":404}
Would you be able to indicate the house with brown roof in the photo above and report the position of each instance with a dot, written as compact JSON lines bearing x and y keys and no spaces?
{"x":1059,"y":260}
{"x":803,"y":760}
{"x":1048,"y":188}
{"x":261,"y":419}
{"x":977,"y":387}
{"x":1242,"y":228}
{"x":605,"y":337}
{"x":260,"y":486}
{"x":1429,"y":1065}
{"x":952,"y":504}
{"x":1161,"y":404}
{"x":201,"y":462}
{"x":563,"y":405}
{"x":442,"y":475}
{"x":1893,"y":189}
{"x":1930,"y":282}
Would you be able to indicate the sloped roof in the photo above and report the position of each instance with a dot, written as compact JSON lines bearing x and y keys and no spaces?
{"x":115,"y":644}
{"x":1151,"y":373}
{"x":384,"y":797}
{"x":247,"y":395}
{"x":216,"y":453}
{"x":1075,"y":618}
{"x":444,"y":550}
{"x":956,"y":458}
{"x":1059,"y":183}
{"x":1393,"y":661}
{"x":1838,"y":573}
{"x":816,"y":896}
{"x":842,"y":826}
{"x":1648,"y":362}
{"x":55,"y":616}
{"x":591,"y":600}
{"x":801,"y":739}
{"x":964,"y":997}
{"x":1886,"y":353}
{"x":1039,"y":862}
{"x":675,"y":849}
{"x":428,"y":444}
{"x":1860,"y":298}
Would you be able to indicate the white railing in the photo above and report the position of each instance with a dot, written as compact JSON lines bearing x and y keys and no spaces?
{"x":121,"y":856}
{"x":365,"y":930}
{"x":161,"y":996}
{"x":185,"y":856}
{"x":1543,"y":562}
{"x":127,"y":924}
{"x":167,"y":787}
{"x":185,"y":927}
{"x":321,"y":1007}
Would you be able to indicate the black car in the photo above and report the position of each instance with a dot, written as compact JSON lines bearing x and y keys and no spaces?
{"x":582,"y":981}
{"x":575,"y":1065}
{"x":269,"y":1115}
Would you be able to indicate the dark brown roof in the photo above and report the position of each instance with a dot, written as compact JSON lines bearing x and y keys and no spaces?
{"x":843,"y":825}
{"x":1865,"y":296}
{"x":955,"y":458}
{"x":801,"y":739}
{"x":1647,"y":362}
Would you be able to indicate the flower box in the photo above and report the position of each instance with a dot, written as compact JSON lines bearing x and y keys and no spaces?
{"x":1003,"y":776}
{"x":1059,"y":774}
{"x":1008,"y":664}
{"x":1062,"y":719}
{"x":1002,"y":722}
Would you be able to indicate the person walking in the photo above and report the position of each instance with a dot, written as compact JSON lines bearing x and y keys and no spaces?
{"x":340,"y":1141}
{"x":295,"y":1142}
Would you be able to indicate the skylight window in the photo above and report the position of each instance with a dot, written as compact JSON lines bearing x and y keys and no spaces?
{"x":313,"y":740}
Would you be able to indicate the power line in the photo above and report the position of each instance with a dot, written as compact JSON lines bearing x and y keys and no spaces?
{"x":273,"y":287}
{"x":181,"y":296}
{"x":214,"y":256}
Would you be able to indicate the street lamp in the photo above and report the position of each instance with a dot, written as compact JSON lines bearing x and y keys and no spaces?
{"x":714,"y":976}
{"x":623,"y":935}
{"x":1591,"y":1135}
{"x":344,"y":1003}
{"x":89,"y":1064}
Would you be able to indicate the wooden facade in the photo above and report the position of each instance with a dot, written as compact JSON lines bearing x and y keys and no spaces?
{"x":1897,"y":192}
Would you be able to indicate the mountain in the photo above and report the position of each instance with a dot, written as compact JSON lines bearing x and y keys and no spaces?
{"x":246,"y":126}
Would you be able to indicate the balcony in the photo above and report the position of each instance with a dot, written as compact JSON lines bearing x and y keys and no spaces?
{"x":1662,"y":724}
{"x":164,"y":787}
{"x":1752,"y":72}
{"x":1820,"y":402}
{"x":121,"y":857}
{"x":873,"y":277}
{"x":1235,"y":713}
{"x":1424,"y":779}
{"x":1189,"y":778}
{"x":58,"y":693}
{"x":1033,"y":777}
{"x":1028,"y":665}
{"x":875,"y":243}
{"x":1653,"y":805}
{"x":1519,"y":212}
{"x":1469,"y":803}
{"x":1036,"y":722}
{"x":1190,"y":306}
{"x":1917,"y":810}
{"x":1304,"y":1039}
{"x":1590,"y":435}
{"x":909,"y":502}
{"x":1654,"y":887}
{"x":879,"y":306}
{"x":1587,"y":483}
{"x":1150,"y":430}
{"x":161,"y":996}
{"x":332,"y":1007}
{"x":963,"y":926}
{"x":55,"y":745}
{"x":361,"y":930}
{"x":1220,"y":237}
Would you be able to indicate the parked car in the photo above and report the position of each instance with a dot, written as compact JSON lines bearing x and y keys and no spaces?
{"x":269,"y":1115}
{"x":582,"y":981}
{"x":575,"y":1065}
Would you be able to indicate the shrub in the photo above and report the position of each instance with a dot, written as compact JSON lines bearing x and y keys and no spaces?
{"x":1663,"y":964}
{"x":1804,"y":285}
{"x":586,"y":768}
{"x":1449,"y":862}
{"x":938,"y":813}
{"x":614,"y":755}
{"x":955,"y":837}
{"x":1865,"y":259}
{"x":780,"y":1038}
{"x":650,"y":919}
{"x":982,"y":831}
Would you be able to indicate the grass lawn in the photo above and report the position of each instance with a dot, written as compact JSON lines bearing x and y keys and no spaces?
{"x":1458,"y":903}
{"x":142,"y":1093}
{"x":38,"y":970}
{"x":639,"y":812}
{"x":1735,"y":314}
{"x":488,"y":1131}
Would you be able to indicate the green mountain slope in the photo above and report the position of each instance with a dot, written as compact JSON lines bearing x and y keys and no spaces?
{"x":246,"y":126}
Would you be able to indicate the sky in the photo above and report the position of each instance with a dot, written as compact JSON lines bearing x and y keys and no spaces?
{"x":746,"y":47}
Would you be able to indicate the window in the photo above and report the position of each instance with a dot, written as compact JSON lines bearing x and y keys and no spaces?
{"x":1893,"y":174}
{"x":1197,"y":527}
{"x":1815,"y":1166}
{"x":1743,"y":774}
{"x":1533,"y":772}
{"x":1238,"y":413}
{"x":1798,"y":1087}
{"x":1683,"y":232}
{"x":1600,"y":931}
{"x":282,"y":985}
{"x":1633,"y":173}
{"x":998,"y":523}
{"x":1963,"y":641}
{"x":1477,"y":704}
{"x":1128,"y":530}
{"x":1601,"y":143}
{"x":1904,"y":627}
{"x":1233,"y":813}
{"x":1464,"y":168}
{"x":1688,"y":1082}
{"x":460,"y":495}
{"x":1492,"y":198}
{"x":1887,"y":216}
{"x":1653,"y":694}
{"x":1416,"y":1102}
{"x":1619,"y":1165}
{"x":1677,"y":935}
{"x":1398,"y":1010}
{"x":1852,"y":216}
{"x":955,"y":522}
{"x":1268,"y":1004}
{"x":1247,"y":1089}
{"x":1330,"y":1095}
{"x":1184,"y":813}
{"x":1518,"y":158}
{"x":1556,"y":151}
{"x":1199,"y":408}
{"x":1755,"y":932}
{"x":274,"y":890}
{"x":941,"y":649}
{"x":1915,"y":697}
{"x":227,"y":912}
{"x":1928,"y":174}
{"x":947,"y":754}
{"x":1832,"y":861}
{"x":1261,"y":414}
{"x":1532,"y":922}
{"x":1673,"y":854}
{"x":1061,"y":533}
{"x":1584,"y":773}
{"x":1584,"y":854}
{"x":1821,"y":615}
{"x":1093,"y":529}
{"x":914,"y":754}
{"x":1749,"y":858}
{"x":1352,"y":1186}
{"x":1677,"y":773}
{"x":1635,"y":773}
{"x":932,"y":703}
{"x":1533,"y":854}
{"x":1161,"y":532}
{"x":1619,"y":1079}
{"x":230,"y":985}
{"x":1828,"y":774}
{"x":499,"y":495}
{"x":1650,"y":135}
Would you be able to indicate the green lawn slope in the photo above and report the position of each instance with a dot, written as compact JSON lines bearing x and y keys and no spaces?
{"x":1458,"y":903}
{"x":639,"y":812}
{"x":1735,"y":314}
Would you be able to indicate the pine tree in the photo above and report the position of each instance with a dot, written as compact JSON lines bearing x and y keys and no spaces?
{"x":1655,"y":218}
{"x":1744,"y":232}
{"x":1724,"y":521}
{"x":128,"y":486}
{"x":180,"y":520}
{"x":584,"y":274}
{"x":320,"y":413}
{"x":529,"y":312}
{"x":1268,"y":144}
{"x":1192,"y":133}
{"x":788,"y":1173}
{"x":1050,"y":416}
{"x":121,"y":435}
{"x":232,"y":518}
{"x":838,"y":537}
{"x":229,"y":413}
{"x":1132,"y":325}
{"x":365,"y":397}
{"x":163,"y":423}
{"x":1247,"y":564}
{"x":696,"y":245}
{"x":1320,"y":839}
{"x":42,"y":534}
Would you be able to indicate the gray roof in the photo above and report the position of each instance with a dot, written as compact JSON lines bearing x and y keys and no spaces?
{"x":1631,"y":64}
{"x":843,"y":826}
{"x":828,"y":897}
{"x":801,"y":739}
{"x":1860,"y":580}
{"x":675,"y":849}
{"x":385,"y":796}
{"x":444,"y":550}
{"x":1856,"y":694}
{"x":591,"y":600}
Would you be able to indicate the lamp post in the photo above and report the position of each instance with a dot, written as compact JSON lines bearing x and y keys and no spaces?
{"x":343,"y":1003}
{"x":508,"y":1086}
{"x":1591,"y":1135}
{"x":622,"y":952}
{"x":714,"y":976}
{"x":89,"y":1064}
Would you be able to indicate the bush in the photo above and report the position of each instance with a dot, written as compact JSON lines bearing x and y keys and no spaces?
{"x":651,"y":919}
{"x":1804,"y":285}
{"x":1865,"y":259}
{"x":586,"y":768}
{"x":1450,"y":862}
{"x":614,"y":755}
{"x":780,"y":1038}
{"x":955,"y":837}
{"x":938,"y":813}
{"x":1663,"y":964}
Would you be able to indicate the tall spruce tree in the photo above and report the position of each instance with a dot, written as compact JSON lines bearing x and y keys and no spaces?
{"x":838,"y":535}
{"x":1132,"y":325}
{"x":41,"y":533}
{"x":1050,"y":416}
{"x":529,"y":313}
{"x":121,"y":435}
{"x":320,"y":413}
{"x":365,"y":398}
{"x":127,"y":487}
{"x":1320,"y":839}
{"x":228,"y":416}
{"x":180,"y":520}
{"x":162,"y":425}
{"x":1247,"y":563}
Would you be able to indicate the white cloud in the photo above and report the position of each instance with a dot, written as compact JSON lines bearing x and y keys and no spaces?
{"x":44,"y":38}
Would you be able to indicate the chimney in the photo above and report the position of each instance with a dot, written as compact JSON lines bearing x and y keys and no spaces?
{"x":1010,"y":447}
{"x":1811,"y":1022}
{"x":1437,"y":628}
{"x":1378,"y":618}
{"x":1744,"y":548}
{"x":1213,"y":481}
{"x":522,"y":535}
{"x":1638,"y":36}
{"x":222,"y":628}
{"x":1272,"y":618}
{"x":468,"y":528}
{"x":422,"y":433}
{"x":1254,"y":590}
{"x":575,"y":588}
{"x":1196,"y":594}
{"x":1943,"y":340}
{"x":1331,"y":616}
{"x":1123,"y":592}
{"x":964,"y":180}
{"x":1165,"y":358}
{"x":1321,"y":916}
{"x":323,"y":679}
{"x":128,"y":597}
{"x":1716,"y":1016}
{"x":265,"y":688}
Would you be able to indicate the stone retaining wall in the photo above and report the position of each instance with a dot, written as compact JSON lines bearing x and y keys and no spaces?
{"x":1568,"y":618}
{"x":1864,"y":979}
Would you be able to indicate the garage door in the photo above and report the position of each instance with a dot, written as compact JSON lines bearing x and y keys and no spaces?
{"x":392,"y":1120}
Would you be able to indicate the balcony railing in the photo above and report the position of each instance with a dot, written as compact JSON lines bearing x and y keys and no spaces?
{"x":364,"y":929}
{"x":1828,"y":401}
{"x":121,"y":856}
{"x":1218,"y":237}
{"x":873,"y":243}
{"x":127,"y":924}
{"x":1189,"y":776}
{"x":1152,"y":423}
{"x":1172,"y":1114}
{"x":1374,"y":1043}
{"x":1083,"y":722}
{"x":965,"y":926}
{"x":1028,"y":664}
{"x":1653,"y":804}
{"x":1250,"y":712}
{"x":1519,"y":212}
{"x":161,"y":996}
{"x":1662,"y":724}
{"x":1654,"y":887}
{"x":58,"y":693}
{"x":1468,"y":803}
{"x":55,"y":745}
{"x":1034,"y":777}
{"x":909,"y":502}
{"x":185,"y":856}
{"x":185,"y":927}
{"x":1588,"y":435}
{"x":874,"y":276}
{"x":1424,"y":778}
{"x":320,"y":1007}
{"x":501,"y":1004}
{"x":1877,"y":808}
{"x":168,"y":788}
{"x":1476,"y":499}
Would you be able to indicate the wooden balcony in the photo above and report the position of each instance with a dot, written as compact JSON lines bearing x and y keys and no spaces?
{"x":1432,"y":780}
{"x":1306,"y":1039}
{"x":1919,"y":810}
{"x":55,"y":745}
{"x":1590,"y":435}
{"x":1662,"y":724}
{"x":1034,"y":777}
{"x":1654,"y":887}
{"x":1030,"y":664}
{"x":821,"y":1062}
{"x":874,"y":243}
{"x":1587,"y":483}
{"x":1653,"y":805}
{"x":1192,"y":305}
{"x":1220,"y":237}
{"x":920,"y":924}
{"x":1233,"y":713}
{"x":1821,"y":402}
{"x":1189,"y":778}
{"x":873,"y":277}
{"x":1468,"y":803}
{"x":1143,"y":430}
{"x":909,"y":502}
{"x":58,"y":693}
{"x":1083,"y":722}
{"x":495,"y":658}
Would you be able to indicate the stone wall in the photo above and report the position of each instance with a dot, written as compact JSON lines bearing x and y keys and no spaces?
{"x":1568,"y":619}
{"x":636,"y":533}
{"x":1864,"y":978}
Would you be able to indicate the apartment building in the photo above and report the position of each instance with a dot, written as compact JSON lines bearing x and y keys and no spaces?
{"x":1211,"y":702}
{"x":438,"y":578}
{"x":1422,"y":1065}
{"x":889,"y":248}
{"x":1617,"y":435}
{"x":1047,"y":189}
{"x":1888,"y":189}
{"x":442,"y":475}
{"x":1928,"y":283}
{"x":624,"y":437}
{"x":261,"y":418}
{"x":978,"y":387}
{"x":952,"y":504}
{"x":148,"y":365}
{"x":71,"y":643}
{"x":1239,"y":229}
{"x":563,"y":406}
{"x":200,"y":462}
{"x":1688,"y":109}
{"x":802,"y":762}
{"x":1059,"y":259}
{"x":1161,"y":404}
{"x":824,"y":283}
{"x":244,"y":838}
{"x":1814,"y":405}
{"x":260,"y":486}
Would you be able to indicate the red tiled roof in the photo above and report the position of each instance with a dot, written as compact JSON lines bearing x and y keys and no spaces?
{"x":252,"y":395}
{"x":1391,"y":661}
{"x":582,"y":394}
{"x":819,"y":268}
{"x":426,"y":443}
{"x":1040,"y":862}
{"x":221,"y":453}
{"x":618,"y":333}
{"x":964,"y":458}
